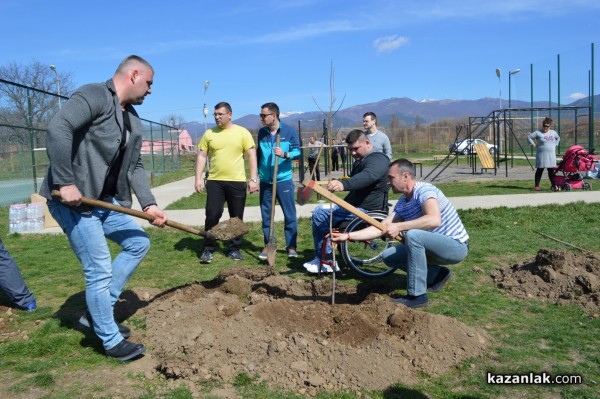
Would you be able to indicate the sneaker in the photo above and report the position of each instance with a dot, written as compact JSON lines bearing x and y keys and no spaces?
{"x":125,"y":350}
{"x":313,"y":267}
{"x":235,"y":254}
{"x":440,"y":280}
{"x":313,"y":263}
{"x":207,"y":256}
{"x":537,"y":188}
{"x":292,"y":252}
{"x":86,"y":321}
{"x":411,"y":301}
{"x":263,"y":254}
{"x":31,"y":307}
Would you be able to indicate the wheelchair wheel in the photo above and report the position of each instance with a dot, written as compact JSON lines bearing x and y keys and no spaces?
{"x":364,"y":257}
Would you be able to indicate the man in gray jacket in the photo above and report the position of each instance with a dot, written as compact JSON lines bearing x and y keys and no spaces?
{"x":94,"y":145}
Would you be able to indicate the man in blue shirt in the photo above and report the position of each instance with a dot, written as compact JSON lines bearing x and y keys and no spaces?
{"x":267,"y":154}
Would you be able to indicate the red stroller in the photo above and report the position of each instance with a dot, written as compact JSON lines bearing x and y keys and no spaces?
{"x":575,"y":163}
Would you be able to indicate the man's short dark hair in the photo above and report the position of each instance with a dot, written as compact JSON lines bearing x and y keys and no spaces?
{"x":272,"y":107}
{"x":225,"y":105}
{"x":354,"y":136}
{"x":131,"y":59}
{"x":404,"y":165}
{"x":371,"y":114}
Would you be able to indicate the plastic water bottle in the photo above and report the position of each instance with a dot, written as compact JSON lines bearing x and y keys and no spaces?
{"x":35,"y":217}
{"x":17,"y":218}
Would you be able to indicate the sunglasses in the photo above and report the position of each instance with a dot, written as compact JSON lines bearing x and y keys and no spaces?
{"x":263,"y":116}
{"x":545,"y":126}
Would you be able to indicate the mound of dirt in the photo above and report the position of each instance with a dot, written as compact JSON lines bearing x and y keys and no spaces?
{"x":562,"y":277}
{"x":287,"y":332}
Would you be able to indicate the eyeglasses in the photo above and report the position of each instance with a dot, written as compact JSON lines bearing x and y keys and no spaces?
{"x":218,"y":114}
{"x":264,"y":116}
{"x":546,"y":126}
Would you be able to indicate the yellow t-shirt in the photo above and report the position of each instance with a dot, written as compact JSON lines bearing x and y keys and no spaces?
{"x":225,"y":149}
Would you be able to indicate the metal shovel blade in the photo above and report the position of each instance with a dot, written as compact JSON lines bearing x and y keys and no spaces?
{"x":271,"y":251}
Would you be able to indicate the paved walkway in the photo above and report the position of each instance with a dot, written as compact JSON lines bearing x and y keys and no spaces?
{"x":171,"y":192}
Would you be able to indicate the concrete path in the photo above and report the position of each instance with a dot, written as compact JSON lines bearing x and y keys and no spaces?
{"x":171,"y":192}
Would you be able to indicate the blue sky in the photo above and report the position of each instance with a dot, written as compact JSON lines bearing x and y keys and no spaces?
{"x":255,"y":52}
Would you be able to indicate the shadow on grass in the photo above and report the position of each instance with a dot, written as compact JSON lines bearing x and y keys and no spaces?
{"x":407,"y":393}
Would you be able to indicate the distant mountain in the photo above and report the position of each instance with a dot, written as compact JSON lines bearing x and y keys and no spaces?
{"x":405,"y":109}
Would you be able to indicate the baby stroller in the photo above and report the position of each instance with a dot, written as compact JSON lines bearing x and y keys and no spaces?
{"x":575,"y":164}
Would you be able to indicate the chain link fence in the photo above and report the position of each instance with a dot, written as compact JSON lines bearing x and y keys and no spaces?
{"x":24,"y":115}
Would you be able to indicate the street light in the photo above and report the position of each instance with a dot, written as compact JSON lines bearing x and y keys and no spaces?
{"x":511,"y":73}
{"x":205,"y":110}
{"x":57,"y":84}
{"x":498,"y":73}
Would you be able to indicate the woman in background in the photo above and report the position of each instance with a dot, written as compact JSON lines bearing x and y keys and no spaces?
{"x":545,"y":144}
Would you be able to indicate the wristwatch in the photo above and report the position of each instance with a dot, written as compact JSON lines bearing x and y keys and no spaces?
{"x":254,"y":180}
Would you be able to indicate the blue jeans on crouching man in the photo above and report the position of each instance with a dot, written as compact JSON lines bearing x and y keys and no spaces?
{"x":104,"y":278}
{"x":285,"y":197}
{"x":421,"y":256}
{"x":320,"y":224}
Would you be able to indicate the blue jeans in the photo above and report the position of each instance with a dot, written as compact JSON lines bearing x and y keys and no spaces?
{"x":320,"y":224}
{"x":11,"y":280}
{"x":104,"y":278}
{"x":285,"y":197}
{"x":421,"y":256}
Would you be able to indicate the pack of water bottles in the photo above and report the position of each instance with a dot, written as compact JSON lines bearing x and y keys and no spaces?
{"x":26,"y":218}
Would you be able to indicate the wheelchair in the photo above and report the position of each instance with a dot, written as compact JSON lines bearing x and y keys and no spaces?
{"x":365,"y":257}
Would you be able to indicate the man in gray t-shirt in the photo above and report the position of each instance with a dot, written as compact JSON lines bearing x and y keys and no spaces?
{"x":379,"y":140}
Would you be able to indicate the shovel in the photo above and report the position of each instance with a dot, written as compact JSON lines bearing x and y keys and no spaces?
{"x":272,"y":245}
{"x":223,"y":231}
{"x":303,"y":195}
{"x":350,"y":208}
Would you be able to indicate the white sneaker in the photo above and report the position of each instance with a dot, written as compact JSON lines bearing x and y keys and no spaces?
{"x":314,"y":262}
{"x":313,"y":267}
{"x":329,"y":269}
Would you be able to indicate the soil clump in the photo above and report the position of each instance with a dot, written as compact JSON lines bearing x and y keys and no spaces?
{"x":559,"y":276}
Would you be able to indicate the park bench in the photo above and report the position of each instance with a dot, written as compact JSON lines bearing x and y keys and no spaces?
{"x":486,"y":159}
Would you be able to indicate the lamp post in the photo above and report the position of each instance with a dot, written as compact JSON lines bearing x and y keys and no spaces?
{"x":205,"y":110}
{"x":498,"y":73}
{"x":53,"y":68}
{"x":511,"y":73}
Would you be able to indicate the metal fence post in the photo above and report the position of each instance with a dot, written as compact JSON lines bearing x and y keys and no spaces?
{"x":31,"y":141}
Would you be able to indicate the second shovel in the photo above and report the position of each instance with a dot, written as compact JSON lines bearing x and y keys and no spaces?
{"x":271,"y":245}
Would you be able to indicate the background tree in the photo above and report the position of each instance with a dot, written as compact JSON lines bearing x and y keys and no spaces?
{"x":29,"y":102}
{"x":176,"y":121}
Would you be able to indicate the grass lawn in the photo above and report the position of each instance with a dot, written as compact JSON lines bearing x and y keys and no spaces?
{"x":41,"y":355}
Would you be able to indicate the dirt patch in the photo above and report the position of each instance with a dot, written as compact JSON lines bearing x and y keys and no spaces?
{"x":228,"y":229}
{"x":559,"y":276}
{"x":286,"y":332}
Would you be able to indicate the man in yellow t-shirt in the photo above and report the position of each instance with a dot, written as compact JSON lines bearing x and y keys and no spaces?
{"x":225,"y":145}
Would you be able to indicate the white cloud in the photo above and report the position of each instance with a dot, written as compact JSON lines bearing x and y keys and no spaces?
{"x":576,"y":96}
{"x":387,"y":44}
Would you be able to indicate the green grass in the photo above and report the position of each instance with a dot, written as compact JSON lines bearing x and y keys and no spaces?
{"x":454,"y":189}
{"x":530,"y":336}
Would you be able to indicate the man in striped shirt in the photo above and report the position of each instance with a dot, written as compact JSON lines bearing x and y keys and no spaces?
{"x":433,"y":234}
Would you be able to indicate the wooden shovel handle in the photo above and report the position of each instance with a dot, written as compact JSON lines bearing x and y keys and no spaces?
{"x":133,"y":212}
{"x":350,"y":208}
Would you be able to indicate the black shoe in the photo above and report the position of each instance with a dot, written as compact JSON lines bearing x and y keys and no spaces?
{"x":440,"y":280}
{"x":207,"y":256}
{"x":125,"y":350}
{"x":86,"y":321}
{"x":235,"y":254}
{"x":411,"y":301}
